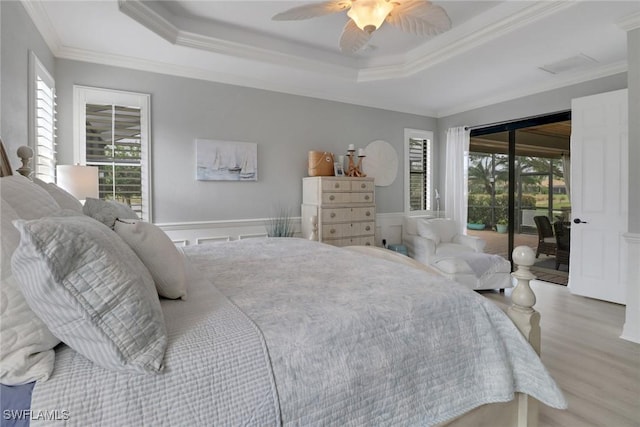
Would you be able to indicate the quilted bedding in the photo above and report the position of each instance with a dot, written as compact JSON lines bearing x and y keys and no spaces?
{"x":216,"y":373}
{"x":287,"y":331}
{"x":371,"y":342}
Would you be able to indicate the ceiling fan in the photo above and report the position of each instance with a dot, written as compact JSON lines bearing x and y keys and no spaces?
{"x":418,"y":17}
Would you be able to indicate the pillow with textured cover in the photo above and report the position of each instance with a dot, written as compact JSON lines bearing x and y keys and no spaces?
{"x":159,"y":255}
{"x":107,"y":211}
{"x":26,"y":353}
{"x":65,"y":199}
{"x":92,"y":291}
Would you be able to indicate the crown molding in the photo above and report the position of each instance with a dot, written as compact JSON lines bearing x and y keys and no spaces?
{"x":153,"y":21}
{"x":39,"y":16}
{"x":224,"y":78}
{"x":580,"y":77}
{"x":470,"y":39}
{"x":629,"y":23}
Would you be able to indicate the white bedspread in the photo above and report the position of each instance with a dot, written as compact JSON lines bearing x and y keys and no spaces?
{"x":371,"y":343}
{"x":374,"y":343}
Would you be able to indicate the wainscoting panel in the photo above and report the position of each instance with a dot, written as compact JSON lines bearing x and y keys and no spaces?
{"x":389,"y":227}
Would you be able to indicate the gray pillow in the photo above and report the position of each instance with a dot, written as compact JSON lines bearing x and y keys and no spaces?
{"x":92,"y":292}
{"x":107,"y":211}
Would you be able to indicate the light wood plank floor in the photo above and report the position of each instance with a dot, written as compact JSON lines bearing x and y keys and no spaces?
{"x":598,"y":372}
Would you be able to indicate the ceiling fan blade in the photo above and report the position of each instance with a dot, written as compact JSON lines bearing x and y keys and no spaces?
{"x":419,"y":17}
{"x":353,"y":38}
{"x":312,"y":10}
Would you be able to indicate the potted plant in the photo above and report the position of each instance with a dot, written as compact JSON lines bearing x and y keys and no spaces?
{"x":475,"y":223}
{"x":501,"y":225}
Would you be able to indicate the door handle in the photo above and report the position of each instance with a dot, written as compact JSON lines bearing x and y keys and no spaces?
{"x":579,"y":221}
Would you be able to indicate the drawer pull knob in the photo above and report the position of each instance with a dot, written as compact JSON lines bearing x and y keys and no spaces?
{"x":332,"y":231}
{"x":333,"y":215}
{"x":367,"y":228}
{"x":332,"y":197}
{"x":363,"y":185}
{"x":367,"y":244}
{"x":337,"y":185}
{"x":368,"y":213}
{"x":366,"y":197}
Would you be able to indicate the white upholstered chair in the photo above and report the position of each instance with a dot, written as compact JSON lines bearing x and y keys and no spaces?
{"x":436,"y":242}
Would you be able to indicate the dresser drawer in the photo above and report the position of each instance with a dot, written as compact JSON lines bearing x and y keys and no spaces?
{"x":361,"y":186}
{"x":363,"y":228}
{"x":336,"y":198}
{"x":354,"y":241}
{"x":336,"y":214}
{"x":362,"y":197}
{"x":336,"y":185}
{"x":363,"y":214}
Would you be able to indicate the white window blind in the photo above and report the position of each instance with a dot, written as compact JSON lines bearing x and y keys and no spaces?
{"x":419,"y":174}
{"x":43,"y":120}
{"x":113,"y":135}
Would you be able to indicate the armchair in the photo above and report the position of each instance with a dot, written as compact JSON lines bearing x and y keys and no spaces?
{"x":430,"y":238}
{"x":437,"y":243}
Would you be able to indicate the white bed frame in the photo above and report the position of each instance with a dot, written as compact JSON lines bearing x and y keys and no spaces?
{"x":520,"y":412}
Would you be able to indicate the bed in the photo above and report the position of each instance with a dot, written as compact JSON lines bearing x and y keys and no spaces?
{"x":278,"y":331}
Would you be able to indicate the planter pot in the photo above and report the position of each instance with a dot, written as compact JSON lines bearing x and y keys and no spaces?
{"x":472,"y":226}
{"x":501,"y":228}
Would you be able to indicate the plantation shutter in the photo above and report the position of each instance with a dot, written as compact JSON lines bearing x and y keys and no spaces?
{"x":113,"y":144}
{"x":419,"y":174}
{"x":45,"y":130}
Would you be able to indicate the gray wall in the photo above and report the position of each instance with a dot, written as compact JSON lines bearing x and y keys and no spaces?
{"x":553,"y":101}
{"x":285,"y":127}
{"x":18,"y":35}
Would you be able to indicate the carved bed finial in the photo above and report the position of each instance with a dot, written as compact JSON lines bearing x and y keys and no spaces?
{"x":25,"y":153}
{"x":523,"y":299}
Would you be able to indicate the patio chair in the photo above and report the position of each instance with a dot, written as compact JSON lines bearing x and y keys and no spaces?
{"x":546,"y":239}
{"x":563,"y":239}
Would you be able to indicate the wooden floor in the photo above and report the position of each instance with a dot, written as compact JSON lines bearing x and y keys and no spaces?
{"x":598,"y":372}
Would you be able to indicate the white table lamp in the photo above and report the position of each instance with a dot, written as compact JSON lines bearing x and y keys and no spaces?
{"x":80,"y":181}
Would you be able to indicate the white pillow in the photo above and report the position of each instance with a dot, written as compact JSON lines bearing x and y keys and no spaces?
{"x":30,"y":201}
{"x":427,"y":230}
{"x":107,"y":211}
{"x":26,"y":353}
{"x":159,"y":255}
{"x":92,"y":291}
{"x":65,"y":199}
{"x":26,"y":350}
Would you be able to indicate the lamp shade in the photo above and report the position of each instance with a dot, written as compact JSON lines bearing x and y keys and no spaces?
{"x":80,"y":181}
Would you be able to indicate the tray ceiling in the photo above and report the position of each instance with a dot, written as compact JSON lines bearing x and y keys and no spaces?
{"x":495,"y":50}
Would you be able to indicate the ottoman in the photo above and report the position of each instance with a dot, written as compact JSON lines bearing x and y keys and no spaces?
{"x":476,"y":270}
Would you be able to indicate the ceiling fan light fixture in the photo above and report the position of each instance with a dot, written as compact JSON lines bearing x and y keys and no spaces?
{"x":369,"y":14}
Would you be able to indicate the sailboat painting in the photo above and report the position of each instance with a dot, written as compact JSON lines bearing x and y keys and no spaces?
{"x":226,"y":160}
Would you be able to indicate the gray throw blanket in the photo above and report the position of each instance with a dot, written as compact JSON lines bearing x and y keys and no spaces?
{"x":481,"y":264}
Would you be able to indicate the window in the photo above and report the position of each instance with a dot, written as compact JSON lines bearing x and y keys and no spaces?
{"x":42,"y":119}
{"x":418,"y":173}
{"x":112,"y":133}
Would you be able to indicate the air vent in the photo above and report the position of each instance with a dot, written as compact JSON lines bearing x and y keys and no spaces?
{"x":573,"y":63}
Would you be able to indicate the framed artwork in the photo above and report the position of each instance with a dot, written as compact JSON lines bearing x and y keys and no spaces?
{"x":226,"y":160}
{"x":338,"y":169}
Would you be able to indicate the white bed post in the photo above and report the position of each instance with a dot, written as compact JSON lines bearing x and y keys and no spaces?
{"x":527,"y":320}
{"x":25,"y":153}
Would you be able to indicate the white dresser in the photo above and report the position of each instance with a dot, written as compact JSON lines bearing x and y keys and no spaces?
{"x":345,"y":209}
